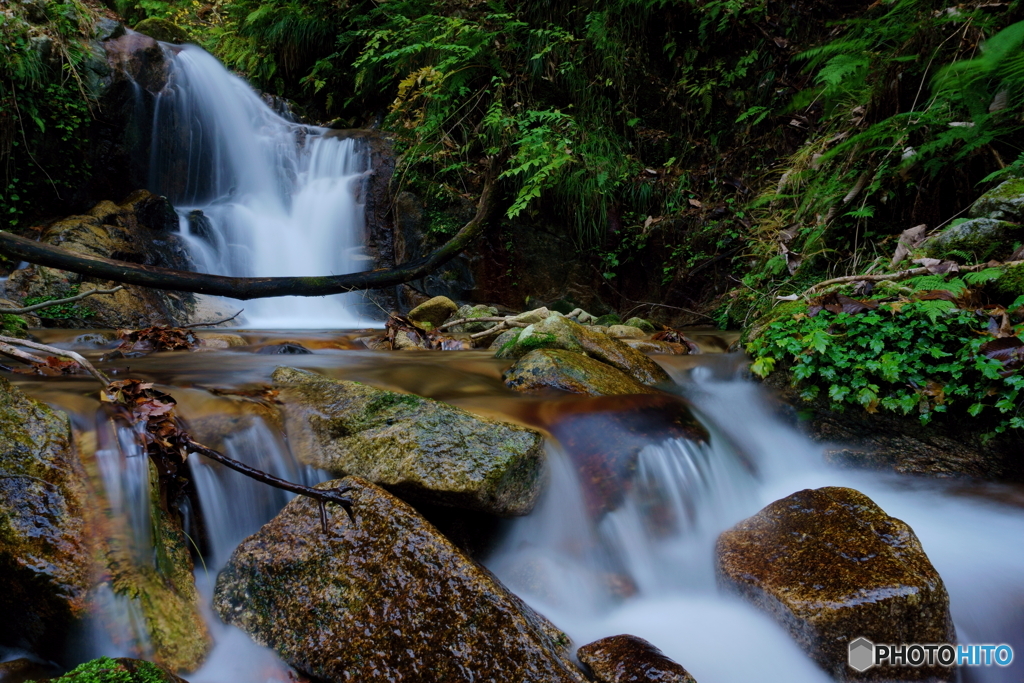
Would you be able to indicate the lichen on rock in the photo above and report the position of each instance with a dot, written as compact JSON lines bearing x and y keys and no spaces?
{"x":383,"y":597}
{"x":416,"y":447}
{"x":546,"y":369}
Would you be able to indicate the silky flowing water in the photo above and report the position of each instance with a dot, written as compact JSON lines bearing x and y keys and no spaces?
{"x":280,"y":198}
{"x":568,"y":563}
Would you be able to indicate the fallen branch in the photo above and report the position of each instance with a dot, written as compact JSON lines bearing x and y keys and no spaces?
{"x":53,"y":350}
{"x":48,"y":255}
{"x":215,"y":322}
{"x":322,"y":496}
{"x":901,"y":275}
{"x":58,"y":302}
{"x":460,"y":321}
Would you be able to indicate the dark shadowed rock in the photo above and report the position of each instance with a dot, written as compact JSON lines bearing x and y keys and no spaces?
{"x":417,"y":447}
{"x":557,"y":332}
{"x":142,"y":229}
{"x":831,"y":566}
{"x":629,"y":659}
{"x":286,"y":348}
{"x":385,"y":597}
{"x":546,"y":369}
{"x":44,"y":560}
{"x":162,"y":30}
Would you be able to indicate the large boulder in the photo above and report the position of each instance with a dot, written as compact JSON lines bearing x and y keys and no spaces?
{"x":383,"y":597}
{"x":558,"y":332}
{"x":625,"y":659}
{"x":44,"y":558}
{"x":984,"y":238}
{"x":831,"y":567}
{"x":477,"y":311}
{"x":142,"y":229}
{"x":416,"y":447}
{"x":546,"y":369}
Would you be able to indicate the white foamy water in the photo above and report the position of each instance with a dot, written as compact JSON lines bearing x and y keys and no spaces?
{"x":559,"y":561}
{"x":279,"y":198}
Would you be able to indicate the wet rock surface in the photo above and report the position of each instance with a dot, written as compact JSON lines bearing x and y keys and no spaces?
{"x":629,"y":659}
{"x":142,"y":229}
{"x":385,"y":597}
{"x":554,"y":369}
{"x":44,"y":558}
{"x":830,"y":566}
{"x":434,"y":311}
{"x":557,"y":332}
{"x":416,"y":447}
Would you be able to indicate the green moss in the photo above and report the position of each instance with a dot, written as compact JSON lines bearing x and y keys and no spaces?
{"x":641,"y":324}
{"x":391,"y":399}
{"x":1011,"y":282}
{"x":507,"y":346}
{"x":162,"y":30}
{"x":537,"y":341}
{"x":107,"y":670}
{"x":608,"y":320}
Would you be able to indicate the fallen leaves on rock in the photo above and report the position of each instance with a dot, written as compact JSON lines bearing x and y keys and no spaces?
{"x":676,"y":337}
{"x":840,"y":303}
{"x":147,"y":340}
{"x":421,"y":337}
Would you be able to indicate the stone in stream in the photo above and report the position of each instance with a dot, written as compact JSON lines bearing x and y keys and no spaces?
{"x":416,"y":447}
{"x":546,"y":369}
{"x":830,"y":566}
{"x":626,"y":332}
{"x":434,"y":311}
{"x":44,"y":558}
{"x":478,"y":311}
{"x":557,"y":332}
{"x":384,"y":597}
{"x":625,"y":659}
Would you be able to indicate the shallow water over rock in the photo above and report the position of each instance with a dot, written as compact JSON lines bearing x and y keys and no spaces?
{"x":616,"y":544}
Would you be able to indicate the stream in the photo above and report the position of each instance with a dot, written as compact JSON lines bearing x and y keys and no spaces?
{"x":281,"y":198}
{"x":560,"y":557}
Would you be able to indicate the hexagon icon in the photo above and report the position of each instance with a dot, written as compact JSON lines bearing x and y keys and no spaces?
{"x":862,"y":654}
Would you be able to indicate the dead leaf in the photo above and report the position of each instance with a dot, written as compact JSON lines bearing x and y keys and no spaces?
{"x":839,"y":303}
{"x":1007,"y":350}
{"x":937,"y":267}
{"x":909,"y":239}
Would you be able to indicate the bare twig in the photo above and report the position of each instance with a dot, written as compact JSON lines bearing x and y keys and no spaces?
{"x":57,"y":302}
{"x":460,"y":321}
{"x":901,"y":275}
{"x":216,"y":322}
{"x":322,"y":496}
{"x":63,"y":353}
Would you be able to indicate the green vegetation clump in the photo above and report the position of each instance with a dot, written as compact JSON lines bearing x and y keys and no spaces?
{"x":608,"y":320}
{"x":68,"y":311}
{"x":913,"y":358}
{"x":107,"y":670}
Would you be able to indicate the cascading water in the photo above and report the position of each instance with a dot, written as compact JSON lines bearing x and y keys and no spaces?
{"x":258,"y":195}
{"x":660,"y":544}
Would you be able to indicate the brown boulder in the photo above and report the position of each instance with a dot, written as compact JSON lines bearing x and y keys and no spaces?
{"x":629,"y":659}
{"x":383,"y":597}
{"x":546,"y":369}
{"x":831,"y":567}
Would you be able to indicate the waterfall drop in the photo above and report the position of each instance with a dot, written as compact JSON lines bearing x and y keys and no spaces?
{"x":259,"y":195}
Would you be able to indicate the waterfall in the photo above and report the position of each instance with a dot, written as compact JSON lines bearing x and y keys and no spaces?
{"x":258,"y":195}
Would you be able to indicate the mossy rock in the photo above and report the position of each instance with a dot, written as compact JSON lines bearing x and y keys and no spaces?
{"x":162,"y":30}
{"x":121,"y":670}
{"x":1010,"y":283}
{"x":383,"y":597}
{"x":554,"y":369}
{"x":44,"y":558}
{"x":416,"y":447}
{"x":505,"y":340}
{"x":478,"y":311}
{"x":978,"y":238}
{"x":640,"y":323}
{"x":433,"y":312}
{"x":608,"y":320}
{"x":557,"y":332}
{"x":831,"y":566}
{"x":1004,"y":202}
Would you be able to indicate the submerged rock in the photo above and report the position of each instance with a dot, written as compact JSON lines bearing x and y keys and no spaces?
{"x":385,"y":597}
{"x":557,"y":332}
{"x":142,"y":229}
{"x":434,"y":311}
{"x":414,"y":446}
{"x":546,"y":369}
{"x":831,"y":567}
{"x":625,"y":658}
{"x":44,"y":558}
